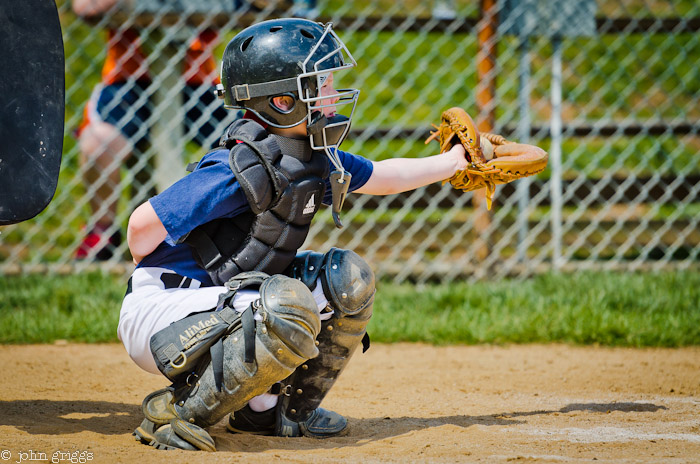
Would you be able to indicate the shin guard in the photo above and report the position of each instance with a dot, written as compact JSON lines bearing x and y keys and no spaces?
{"x":348,"y":283}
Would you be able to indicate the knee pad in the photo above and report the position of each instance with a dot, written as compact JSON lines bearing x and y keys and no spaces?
{"x":284,"y":339}
{"x":347,"y":280}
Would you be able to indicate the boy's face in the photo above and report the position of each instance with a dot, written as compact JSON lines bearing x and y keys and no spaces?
{"x":328,"y":104}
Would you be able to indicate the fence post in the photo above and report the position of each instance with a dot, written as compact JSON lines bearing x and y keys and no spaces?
{"x":523,"y":185}
{"x":485,"y":101}
{"x":168,"y":133}
{"x":555,"y":153}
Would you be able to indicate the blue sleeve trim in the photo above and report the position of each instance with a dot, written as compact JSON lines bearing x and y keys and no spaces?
{"x":358,"y":166}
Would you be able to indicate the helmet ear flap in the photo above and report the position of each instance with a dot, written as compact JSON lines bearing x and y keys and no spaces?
{"x":284,"y":103}
{"x":266,"y":109}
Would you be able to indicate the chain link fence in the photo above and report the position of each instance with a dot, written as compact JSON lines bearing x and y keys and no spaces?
{"x":609,"y":88}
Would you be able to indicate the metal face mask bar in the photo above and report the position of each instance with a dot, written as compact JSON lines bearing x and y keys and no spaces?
{"x":329,"y":133}
{"x":332,"y":136}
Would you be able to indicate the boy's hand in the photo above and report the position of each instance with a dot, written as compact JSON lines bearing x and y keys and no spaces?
{"x":459,"y":155}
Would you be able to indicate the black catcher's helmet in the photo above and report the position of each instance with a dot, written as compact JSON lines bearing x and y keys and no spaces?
{"x":287,"y":56}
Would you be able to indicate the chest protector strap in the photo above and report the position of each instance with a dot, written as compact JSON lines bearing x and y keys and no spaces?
{"x":253,"y":153}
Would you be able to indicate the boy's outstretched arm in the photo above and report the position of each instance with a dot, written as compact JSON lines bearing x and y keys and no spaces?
{"x":397,"y":175}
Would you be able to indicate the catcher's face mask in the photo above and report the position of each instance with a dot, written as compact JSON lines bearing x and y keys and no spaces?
{"x":324,"y":132}
{"x":327,"y":132}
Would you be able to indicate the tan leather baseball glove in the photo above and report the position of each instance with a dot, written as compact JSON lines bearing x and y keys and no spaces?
{"x":492,"y":159}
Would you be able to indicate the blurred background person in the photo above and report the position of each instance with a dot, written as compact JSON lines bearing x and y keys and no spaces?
{"x":115,"y":125}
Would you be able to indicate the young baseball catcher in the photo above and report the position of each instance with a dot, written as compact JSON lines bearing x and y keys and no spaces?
{"x":222,"y":302}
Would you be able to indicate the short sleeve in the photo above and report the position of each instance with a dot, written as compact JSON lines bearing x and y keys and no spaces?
{"x":208,"y":193}
{"x":358,"y":166}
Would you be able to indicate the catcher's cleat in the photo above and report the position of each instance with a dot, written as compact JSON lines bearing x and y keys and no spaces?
{"x":248,"y":421}
{"x":163,"y":429}
{"x":144,"y":432}
{"x":321,"y":424}
{"x":177,"y":434}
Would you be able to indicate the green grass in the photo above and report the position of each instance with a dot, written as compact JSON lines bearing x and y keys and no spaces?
{"x":38,"y":309}
{"x":583,"y":308}
{"x":613,"y":309}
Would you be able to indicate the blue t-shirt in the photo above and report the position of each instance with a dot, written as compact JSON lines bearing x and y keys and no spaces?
{"x":212,"y":192}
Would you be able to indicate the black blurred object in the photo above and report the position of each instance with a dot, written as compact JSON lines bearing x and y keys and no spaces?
{"x":32,"y":103}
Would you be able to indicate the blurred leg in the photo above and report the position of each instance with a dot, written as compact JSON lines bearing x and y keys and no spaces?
{"x":115,"y":123}
{"x":103,"y":151}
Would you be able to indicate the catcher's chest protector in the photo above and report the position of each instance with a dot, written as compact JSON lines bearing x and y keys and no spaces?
{"x":283,"y":180}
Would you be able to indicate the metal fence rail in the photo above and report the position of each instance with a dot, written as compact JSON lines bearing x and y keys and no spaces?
{"x":612,"y":94}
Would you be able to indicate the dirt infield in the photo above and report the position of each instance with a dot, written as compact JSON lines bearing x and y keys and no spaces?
{"x":404,"y":402}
